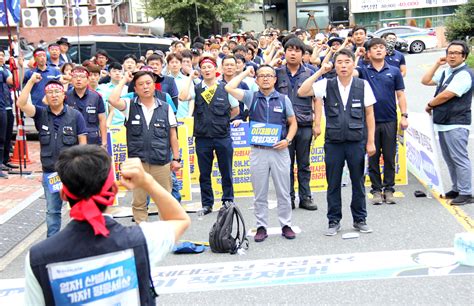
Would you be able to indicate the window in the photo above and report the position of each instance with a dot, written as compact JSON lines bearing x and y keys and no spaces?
{"x":139,"y":16}
{"x":86,"y":53}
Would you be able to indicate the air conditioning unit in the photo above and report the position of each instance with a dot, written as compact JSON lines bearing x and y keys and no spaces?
{"x":29,"y":18}
{"x":55,"y":17}
{"x":79,"y":2}
{"x":54,"y":2}
{"x":34,"y":3}
{"x":102,"y":2}
{"x":80,"y":16}
{"x":104,"y":15}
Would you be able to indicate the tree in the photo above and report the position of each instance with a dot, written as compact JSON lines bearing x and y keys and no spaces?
{"x":180,"y":15}
{"x":462,"y":23}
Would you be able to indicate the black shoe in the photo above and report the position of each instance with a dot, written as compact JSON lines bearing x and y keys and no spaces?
{"x":12,"y":166}
{"x":4,"y":168}
{"x":451,"y":194}
{"x":205,"y":210}
{"x":462,"y":199}
{"x":307,"y":203}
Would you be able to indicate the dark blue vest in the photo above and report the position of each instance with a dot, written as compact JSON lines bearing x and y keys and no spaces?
{"x":5,"y":96}
{"x":261,"y":111}
{"x":53,"y":142}
{"x":77,"y":240}
{"x":302,"y":106}
{"x":89,"y":113}
{"x":458,"y":109}
{"x":349,"y":124}
{"x":212,"y":120}
{"x":150,"y":143}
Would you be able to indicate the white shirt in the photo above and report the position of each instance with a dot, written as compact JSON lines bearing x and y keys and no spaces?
{"x":319,"y":89}
{"x":158,"y":246}
{"x":148,"y":112}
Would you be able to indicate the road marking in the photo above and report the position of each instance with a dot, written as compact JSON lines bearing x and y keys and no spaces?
{"x":290,"y":271}
{"x":20,"y":206}
{"x":466,"y":221}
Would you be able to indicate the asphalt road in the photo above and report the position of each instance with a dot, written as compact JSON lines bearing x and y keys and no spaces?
{"x":414,"y":223}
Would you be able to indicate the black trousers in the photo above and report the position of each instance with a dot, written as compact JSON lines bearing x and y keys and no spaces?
{"x":386,"y":145}
{"x":205,"y":148}
{"x":299,"y":149}
{"x":335,"y":155}
{"x":8,"y":136}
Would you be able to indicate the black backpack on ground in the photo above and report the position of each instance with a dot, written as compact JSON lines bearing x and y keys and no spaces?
{"x":220,"y":236}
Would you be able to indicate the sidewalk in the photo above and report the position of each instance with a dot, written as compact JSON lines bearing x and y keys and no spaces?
{"x":18,"y":188}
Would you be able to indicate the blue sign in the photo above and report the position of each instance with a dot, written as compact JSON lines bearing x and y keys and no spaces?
{"x":240,"y":135}
{"x":54,"y":183}
{"x":264,"y":134}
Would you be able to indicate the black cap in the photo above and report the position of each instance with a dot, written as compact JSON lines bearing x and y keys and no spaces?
{"x":334,"y":39}
{"x":62,"y":41}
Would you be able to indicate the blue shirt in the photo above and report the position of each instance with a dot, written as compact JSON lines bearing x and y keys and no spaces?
{"x":105,"y":90}
{"x":37,"y":92}
{"x":5,"y":100}
{"x":76,"y":102}
{"x":396,"y":59}
{"x":248,"y":98}
{"x":384,"y":84}
{"x":57,"y":119}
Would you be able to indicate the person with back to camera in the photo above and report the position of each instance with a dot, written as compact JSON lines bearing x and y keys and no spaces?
{"x":94,"y":245}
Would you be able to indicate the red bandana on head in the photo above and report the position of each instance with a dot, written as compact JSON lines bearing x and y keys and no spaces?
{"x":86,"y":209}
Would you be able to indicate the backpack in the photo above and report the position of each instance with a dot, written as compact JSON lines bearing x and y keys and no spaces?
{"x":220,"y":236}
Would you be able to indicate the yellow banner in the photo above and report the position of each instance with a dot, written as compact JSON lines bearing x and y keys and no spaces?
{"x":208,"y":94}
{"x":183,"y":174}
{"x":118,"y":146}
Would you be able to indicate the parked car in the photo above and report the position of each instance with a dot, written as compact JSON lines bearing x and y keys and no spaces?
{"x":418,"y":39}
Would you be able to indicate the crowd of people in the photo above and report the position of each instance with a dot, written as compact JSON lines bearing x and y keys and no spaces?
{"x":288,"y":80}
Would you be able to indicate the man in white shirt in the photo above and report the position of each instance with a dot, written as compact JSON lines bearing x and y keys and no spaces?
{"x":350,"y":126}
{"x":94,"y":258}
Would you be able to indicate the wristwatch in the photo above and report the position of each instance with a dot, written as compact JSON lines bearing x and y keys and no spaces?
{"x":405,"y":115}
{"x":177,"y":160}
{"x":289,"y":141}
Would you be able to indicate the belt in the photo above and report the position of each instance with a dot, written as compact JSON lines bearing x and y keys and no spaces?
{"x":262,"y":147}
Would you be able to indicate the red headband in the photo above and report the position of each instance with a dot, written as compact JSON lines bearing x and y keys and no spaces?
{"x":86,"y":209}
{"x":40,"y":52}
{"x":54,"y":86}
{"x":208,"y":61}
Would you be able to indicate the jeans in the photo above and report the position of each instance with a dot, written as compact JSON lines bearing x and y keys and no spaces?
{"x":175,"y":187}
{"x":53,"y":208}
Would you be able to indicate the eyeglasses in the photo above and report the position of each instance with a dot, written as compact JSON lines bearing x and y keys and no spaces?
{"x":454,"y":53}
{"x":265,"y":76}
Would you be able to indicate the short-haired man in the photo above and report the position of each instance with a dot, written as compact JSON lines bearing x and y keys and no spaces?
{"x":94,"y":243}
{"x":394,"y":57}
{"x":151,"y":134}
{"x":348,"y":105}
{"x":55,"y":59}
{"x":90,"y":104}
{"x":129,"y":63}
{"x":289,"y":78}
{"x":94,"y":75}
{"x":269,"y":106}
{"x":451,"y":111}
{"x":388,"y":87}
{"x":359,"y":35}
{"x":46,"y":73}
{"x":114,"y":117}
{"x":163,"y":83}
{"x":213,"y":110}
{"x":59,"y":127}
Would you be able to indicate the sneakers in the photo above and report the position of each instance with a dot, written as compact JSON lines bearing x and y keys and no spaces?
{"x":307,"y":203}
{"x":462,"y":199}
{"x":3,"y":175}
{"x":287,"y":232}
{"x":333,"y":228}
{"x":377,"y":198}
{"x":204,"y":211}
{"x":261,"y":234}
{"x":389,"y":199}
{"x":451,"y":194}
{"x":362,"y":227}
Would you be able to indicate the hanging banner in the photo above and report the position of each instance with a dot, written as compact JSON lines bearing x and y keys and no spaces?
{"x":422,"y":153}
{"x":117,"y":148}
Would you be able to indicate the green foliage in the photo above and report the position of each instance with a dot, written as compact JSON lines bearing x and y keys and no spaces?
{"x":180,"y":15}
{"x":470,"y":61}
{"x":462,"y":23}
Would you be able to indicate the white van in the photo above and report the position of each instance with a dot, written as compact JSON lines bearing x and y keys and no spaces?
{"x":116,"y":46}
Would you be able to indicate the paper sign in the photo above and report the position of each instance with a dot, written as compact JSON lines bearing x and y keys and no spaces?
{"x":264,"y":134}
{"x":54,"y":183}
